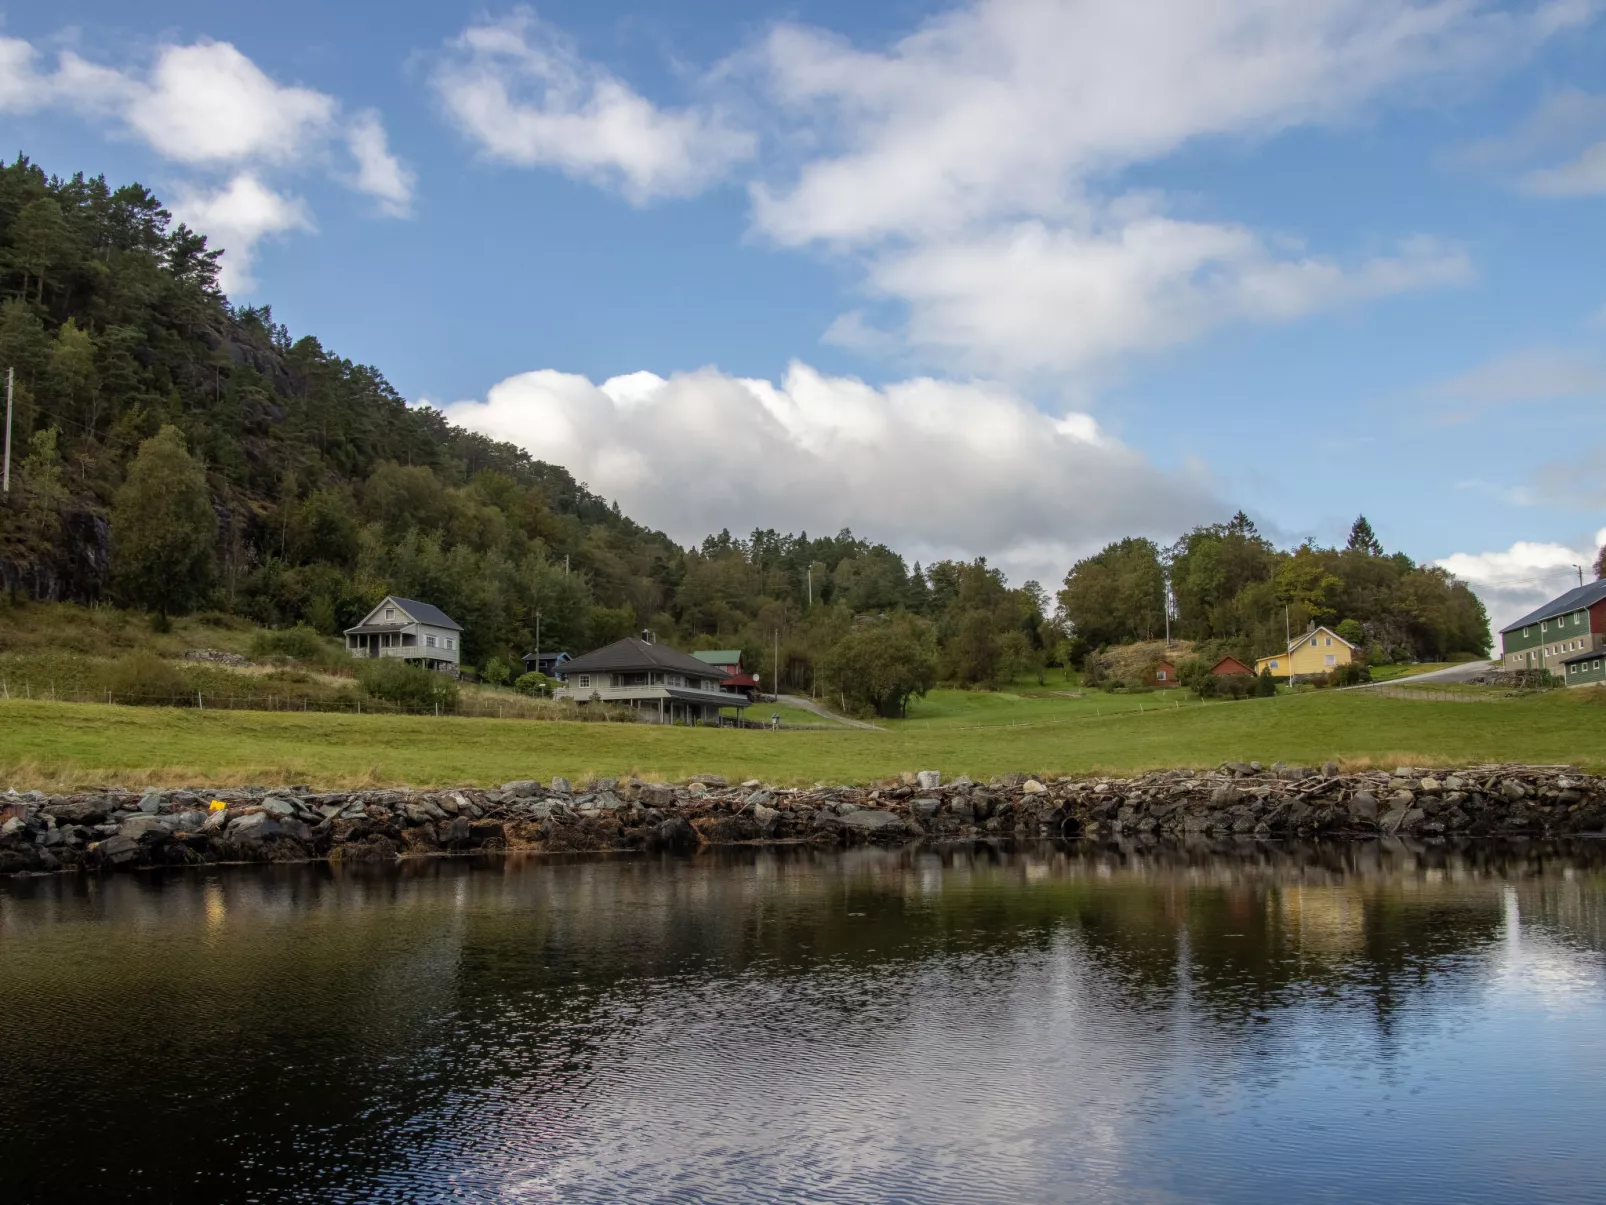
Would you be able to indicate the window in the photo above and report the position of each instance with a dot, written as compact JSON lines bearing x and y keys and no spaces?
{"x":1160,"y":675}
{"x":1273,"y":665}
{"x":449,"y":642}
{"x":585,"y":679}
{"x":1331,"y":660}
{"x":429,"y":641}
{"x":1329,"y":642}
{"x":390,"y":612}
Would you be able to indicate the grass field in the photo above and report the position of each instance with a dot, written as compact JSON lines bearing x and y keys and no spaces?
{"x":56,"y":744}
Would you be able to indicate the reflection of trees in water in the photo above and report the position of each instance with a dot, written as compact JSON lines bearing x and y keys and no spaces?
{"x":350,"y":1011}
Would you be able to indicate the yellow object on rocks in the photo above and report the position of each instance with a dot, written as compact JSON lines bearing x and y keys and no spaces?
{"x":219,"y":806}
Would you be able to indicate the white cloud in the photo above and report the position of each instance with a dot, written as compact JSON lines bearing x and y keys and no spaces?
{"x":976,"y":162}
{"x":379,"y":173}
{"x":1584,"y":176}
{"x":521,"y":91}
{"x":935,"y":468}
{"x":236,"y":217}
{"x":209,"y":108}
{"x":1526,"y":575}
{"x":1535,"y":374}
{"x":1034,"y":297}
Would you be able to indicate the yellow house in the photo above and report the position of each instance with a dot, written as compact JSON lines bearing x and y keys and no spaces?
{"x":1315,"y":652}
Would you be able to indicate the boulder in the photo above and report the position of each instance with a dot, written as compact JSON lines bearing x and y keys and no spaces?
{"x":151,"y":802}
{"x":1364,"y":807}
{"x":925,"y":809}
{"x":928,"y":780}
{"x":278,"y":806}
{"x":871,"y":820}
{"x":522,"y":786}
{"x":1033,"y":787}
{"x":561,"y":786}
{"x":143,"y":827}
{"x":117,"y":851}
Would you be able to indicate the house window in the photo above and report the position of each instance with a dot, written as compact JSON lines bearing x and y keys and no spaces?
{"x":1331,"y":660}
{"x":1329,"y":642}
{"x":390,"y":612}
{"x":585,"y":679}
{"x":1273,"y":665}
{"x":449,"y":643}
{"x":1160,"y":675}
{"x":429,"y":641}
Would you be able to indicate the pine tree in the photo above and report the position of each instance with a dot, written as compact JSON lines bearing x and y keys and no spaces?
{"x":163,"y":529}
{"x":1363,"y":539}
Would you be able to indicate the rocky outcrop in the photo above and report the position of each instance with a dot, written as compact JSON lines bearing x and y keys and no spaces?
{"x":116,"y":829}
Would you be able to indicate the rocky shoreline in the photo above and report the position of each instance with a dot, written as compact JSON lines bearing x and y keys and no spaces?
{"x":119,"y":829}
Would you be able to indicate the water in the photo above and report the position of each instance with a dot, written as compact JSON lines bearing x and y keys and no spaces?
{"x":1044,"y":1024}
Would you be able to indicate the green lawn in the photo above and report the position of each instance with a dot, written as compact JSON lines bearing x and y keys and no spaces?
{"x":45,"y":744}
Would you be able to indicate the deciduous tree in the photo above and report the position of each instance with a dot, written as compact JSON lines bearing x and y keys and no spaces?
{"x":163,"y":529}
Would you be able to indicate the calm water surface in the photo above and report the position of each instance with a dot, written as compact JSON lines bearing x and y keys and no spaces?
{"x":1369,"y":1022}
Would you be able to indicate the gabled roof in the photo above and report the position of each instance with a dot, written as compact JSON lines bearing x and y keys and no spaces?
{"x":1227,"y":658}
{"x":1586,"y":595}
{"x":1304,"y":636}
{"x":631,"y":655}
{"x":418,"y":612}
{"x":720,"y":656}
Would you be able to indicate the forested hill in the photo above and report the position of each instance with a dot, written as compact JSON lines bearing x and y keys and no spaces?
{"x":175,"y":452}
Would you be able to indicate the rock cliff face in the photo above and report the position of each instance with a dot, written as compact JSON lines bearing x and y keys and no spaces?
{"x":118,"y":829}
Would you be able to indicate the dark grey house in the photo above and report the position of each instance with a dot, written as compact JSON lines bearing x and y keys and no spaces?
{"x":664,"y":685}
{"x":550,"y":664}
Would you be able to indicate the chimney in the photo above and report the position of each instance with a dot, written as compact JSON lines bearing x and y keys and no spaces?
{"x":646,"y":636}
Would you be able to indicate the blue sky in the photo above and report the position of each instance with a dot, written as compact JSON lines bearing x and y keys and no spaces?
{"x":1005,"y":279}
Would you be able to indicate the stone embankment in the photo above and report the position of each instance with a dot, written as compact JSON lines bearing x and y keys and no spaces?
{"x":122,"y":829}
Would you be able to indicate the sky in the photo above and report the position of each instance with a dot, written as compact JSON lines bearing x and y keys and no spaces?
{"x":1005,"y":278}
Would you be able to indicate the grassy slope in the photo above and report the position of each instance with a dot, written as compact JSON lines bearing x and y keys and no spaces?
{"x":48,"y":744}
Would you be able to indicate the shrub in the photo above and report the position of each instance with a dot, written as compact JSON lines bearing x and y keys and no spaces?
{"x":495,"y":672}
{"x":536,"y":684}
{"x":1353,"y":674}
{"x":410,"y":687}
{"x":299,"y":643}
{"x":1265,"y":685}
{"x":1226,"y":686}
{"x":145,"y":678}
{"x":1193,"y":673}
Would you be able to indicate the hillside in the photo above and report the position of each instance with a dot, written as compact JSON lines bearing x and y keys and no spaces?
{"x":326,"y":491}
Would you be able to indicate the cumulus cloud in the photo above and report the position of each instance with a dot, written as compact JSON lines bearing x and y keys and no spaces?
{"x":522,"y":92}
{"x":237,"y":216}
{"x":210,"y":108}
{"x":1584,"y":176}
{"x":976,"y":163}
{"x":1035,"y":297}
{"x":935,"y":468}
{"x":1515,"y":581}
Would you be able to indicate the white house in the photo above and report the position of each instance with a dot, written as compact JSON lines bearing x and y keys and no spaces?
{"x":662,"y":684}
{"x":409,"y":631}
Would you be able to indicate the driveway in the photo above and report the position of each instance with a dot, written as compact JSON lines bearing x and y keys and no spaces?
{"x":1454,"y":673}
{"x":803,"y":704}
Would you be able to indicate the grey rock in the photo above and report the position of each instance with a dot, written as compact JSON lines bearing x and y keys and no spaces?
{"x":522,"y":786}
{"x":561,"y":786}
{"x":605,"y":802}
{"x":927,"y":808}
{"x":216,"y":822}
{"x":766,"y":818}
{"x":151,"y":802}
{"x":142,"y":826}
{"x":709,"y":780}
{"x":252,"y":826}
{"x":1401,"y":818}
{"x":1330,"y":769}
{"x":1364,"y":806}
{"x":757,"y":798}
{"x":1430,"y":786}
{"x":12,"y":827}
{"x":1033,"y":787}
{"x":278,"y":806}
{"x":1512,"y":789}
{"x":871,"y":820}
{"x":456,"y":831}
{"x":416,"y":814}
{"x":117,"y":851}
{"x":928,"y":780}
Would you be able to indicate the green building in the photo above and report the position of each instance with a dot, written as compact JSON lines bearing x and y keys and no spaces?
{"x":1586,"y":669}
{"x":1563,"y":633}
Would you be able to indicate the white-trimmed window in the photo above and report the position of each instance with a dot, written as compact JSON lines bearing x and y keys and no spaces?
{"x":429,"y":641}
{"x":1331,"y":660}
{"x":390,"y":612}
{"x":1273,"y":665}
{"x":1159,"y":675}
{"x":585,"y":679}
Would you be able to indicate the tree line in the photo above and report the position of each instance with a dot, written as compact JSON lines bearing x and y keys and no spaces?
{"x":176,"y":452}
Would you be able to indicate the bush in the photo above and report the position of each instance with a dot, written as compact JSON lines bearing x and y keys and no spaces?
{"x":410,"y":687}
{"x":145,"y":678}
{"x":495,"y":672}
{"x":536,"y":684}
{"x":1265,"y":685}
{"x":1226,"y":686}
{"x":299,"y":643}
{"x":1353,"y":674}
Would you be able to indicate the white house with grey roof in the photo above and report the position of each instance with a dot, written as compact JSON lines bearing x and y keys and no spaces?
{"x":411,"y":631}
{"x":663,"y":685}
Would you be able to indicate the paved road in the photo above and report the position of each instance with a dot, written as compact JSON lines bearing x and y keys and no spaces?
{"x":810,"y":705}
{"x":1454,"y":673}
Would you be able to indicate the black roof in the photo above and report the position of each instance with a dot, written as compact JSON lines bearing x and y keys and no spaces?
{"x":631,"y":655}
{"x":1586,"y":595}
{"x":424,"y":613}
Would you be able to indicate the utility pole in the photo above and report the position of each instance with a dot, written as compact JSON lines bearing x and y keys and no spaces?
{"x":777,"y":663}
{"x":538,"y":640}
{"x":1165,"y":591}
{"x":811,"y":585}
{"x":1580,"y":568}
{"x":1288,"y":631}
{"x":10,"y":376}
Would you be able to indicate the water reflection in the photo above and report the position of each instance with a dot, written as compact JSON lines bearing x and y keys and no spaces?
{"x":1377,"y":1021}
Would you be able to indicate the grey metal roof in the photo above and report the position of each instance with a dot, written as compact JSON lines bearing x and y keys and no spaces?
{"x":423,"y":612}
{"x":714,"y":698}
{"x":1586,"y":595}
{"x":1592,"y":655}
{"x":631,"y":655}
